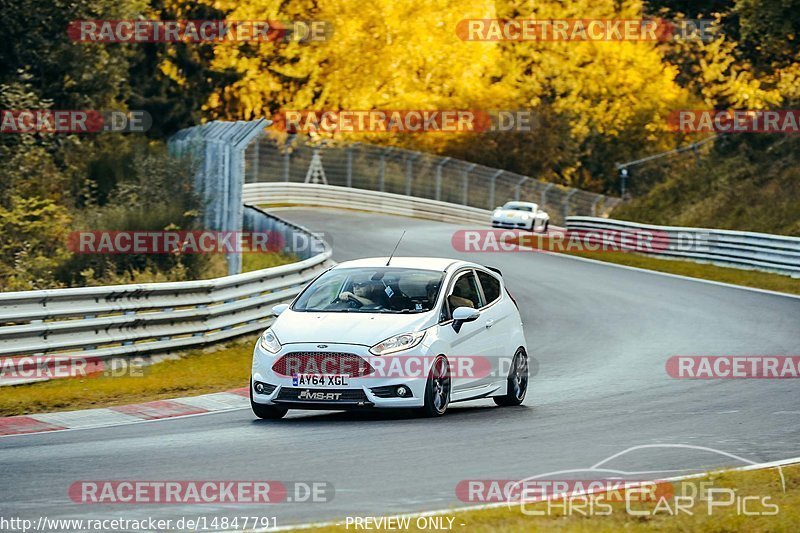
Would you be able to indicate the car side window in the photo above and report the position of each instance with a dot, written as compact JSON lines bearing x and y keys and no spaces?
{"x":464,"y":293}
{"x":490,"y":285}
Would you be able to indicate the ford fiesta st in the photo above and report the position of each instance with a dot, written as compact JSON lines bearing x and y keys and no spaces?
{"x":520,"y":215}
{"x":406,"y":333}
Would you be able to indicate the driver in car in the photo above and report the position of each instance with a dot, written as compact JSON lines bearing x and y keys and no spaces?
{"x":364,"y":292}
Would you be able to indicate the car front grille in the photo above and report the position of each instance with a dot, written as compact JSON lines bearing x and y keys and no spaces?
{"x":322,"y":363}
{"x":290,"y":394}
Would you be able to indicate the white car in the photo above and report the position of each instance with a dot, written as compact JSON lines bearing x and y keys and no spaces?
{"x":418,"y":333}
{"x":520,"y":215}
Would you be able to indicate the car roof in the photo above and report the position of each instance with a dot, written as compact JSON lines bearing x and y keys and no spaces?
{"x":425,"y":263}
{"x":529,"y":204}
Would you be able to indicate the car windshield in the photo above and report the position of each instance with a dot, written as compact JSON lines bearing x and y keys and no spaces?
{"x":518,"y":207}
{"x":372,"y":290}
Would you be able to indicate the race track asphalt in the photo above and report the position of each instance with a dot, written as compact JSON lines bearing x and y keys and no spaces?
{"x":600,"y":336}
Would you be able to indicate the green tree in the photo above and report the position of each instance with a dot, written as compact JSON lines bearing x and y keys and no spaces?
{"x":33,"y":236}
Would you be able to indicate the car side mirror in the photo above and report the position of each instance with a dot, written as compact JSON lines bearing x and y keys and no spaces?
{"x":462,"y":315}
{"x":280,"y":308}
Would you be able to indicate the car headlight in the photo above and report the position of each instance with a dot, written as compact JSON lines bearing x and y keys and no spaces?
{"x":526,"y":217}
{"x":497,"y":213}
{"x":397,"y":343}
{"x":270,"y":342}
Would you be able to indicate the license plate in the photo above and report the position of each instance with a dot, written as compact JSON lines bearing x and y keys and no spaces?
{"x":320,"y":380}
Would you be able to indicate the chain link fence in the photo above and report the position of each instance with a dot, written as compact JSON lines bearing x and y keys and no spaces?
{"x":411,"y":173}
{"x":217,"y":152}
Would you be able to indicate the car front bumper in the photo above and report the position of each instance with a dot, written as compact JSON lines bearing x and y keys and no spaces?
{"x":360,"y":392}
{"x":512,"y":223}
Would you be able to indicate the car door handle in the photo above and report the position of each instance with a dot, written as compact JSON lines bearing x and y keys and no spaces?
{"x":489,"y":323}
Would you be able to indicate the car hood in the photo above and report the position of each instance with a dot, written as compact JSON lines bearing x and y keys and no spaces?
{"x":366,"y":329}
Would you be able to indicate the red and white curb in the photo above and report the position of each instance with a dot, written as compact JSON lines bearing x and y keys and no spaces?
{"x":125,"y":414}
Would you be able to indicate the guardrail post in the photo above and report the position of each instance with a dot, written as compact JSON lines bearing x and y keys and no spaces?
{"x":492,"y":181}
{"x":566,"y":202}
{"x":349,"y":166}
{"x":518,"y":188}
{"x":465,"y":189}
{"x":382,"y":169}
{"x":254,"y":168}
{"x":257,"y":161}
{"x":443,"y":162}
{"x":235,"y":208}
{"x":286,"y":162}
{"x":594,"y":204}
{"x":221,"y":181}
{"x":544,"y":194}
{"x":410,"y":172}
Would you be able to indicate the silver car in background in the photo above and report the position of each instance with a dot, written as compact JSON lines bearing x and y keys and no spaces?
{"x":520,"y":215}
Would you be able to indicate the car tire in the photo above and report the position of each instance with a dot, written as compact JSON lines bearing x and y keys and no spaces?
{"x":517,"y":381}
{"x":546,"y":224}
{"x":266,"y":412}
{"x":437,"y":388}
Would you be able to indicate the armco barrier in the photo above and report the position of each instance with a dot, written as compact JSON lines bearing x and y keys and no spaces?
{"x":739,"y":249}
{"x":95,"y":323}
{"x":380,"y":202}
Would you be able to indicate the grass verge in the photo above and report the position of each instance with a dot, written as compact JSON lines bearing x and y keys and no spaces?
{"x":198,"y":371}
{"x":735,"y":276}
{"x":754,"y":484}
{"x":257,"y":261}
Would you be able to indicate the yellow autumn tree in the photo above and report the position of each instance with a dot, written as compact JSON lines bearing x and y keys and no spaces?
{"x":614,"y":94}
{"x":598,"y":100}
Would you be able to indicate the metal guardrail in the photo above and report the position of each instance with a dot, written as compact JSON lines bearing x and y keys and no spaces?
{"x":416,"y":174}
{"x":96,"y":323}
{"x":380,"y":202}
{"x":739,"y":249}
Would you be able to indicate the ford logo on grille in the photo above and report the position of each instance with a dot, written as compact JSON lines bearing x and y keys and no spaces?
{"x":322,"y":345}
